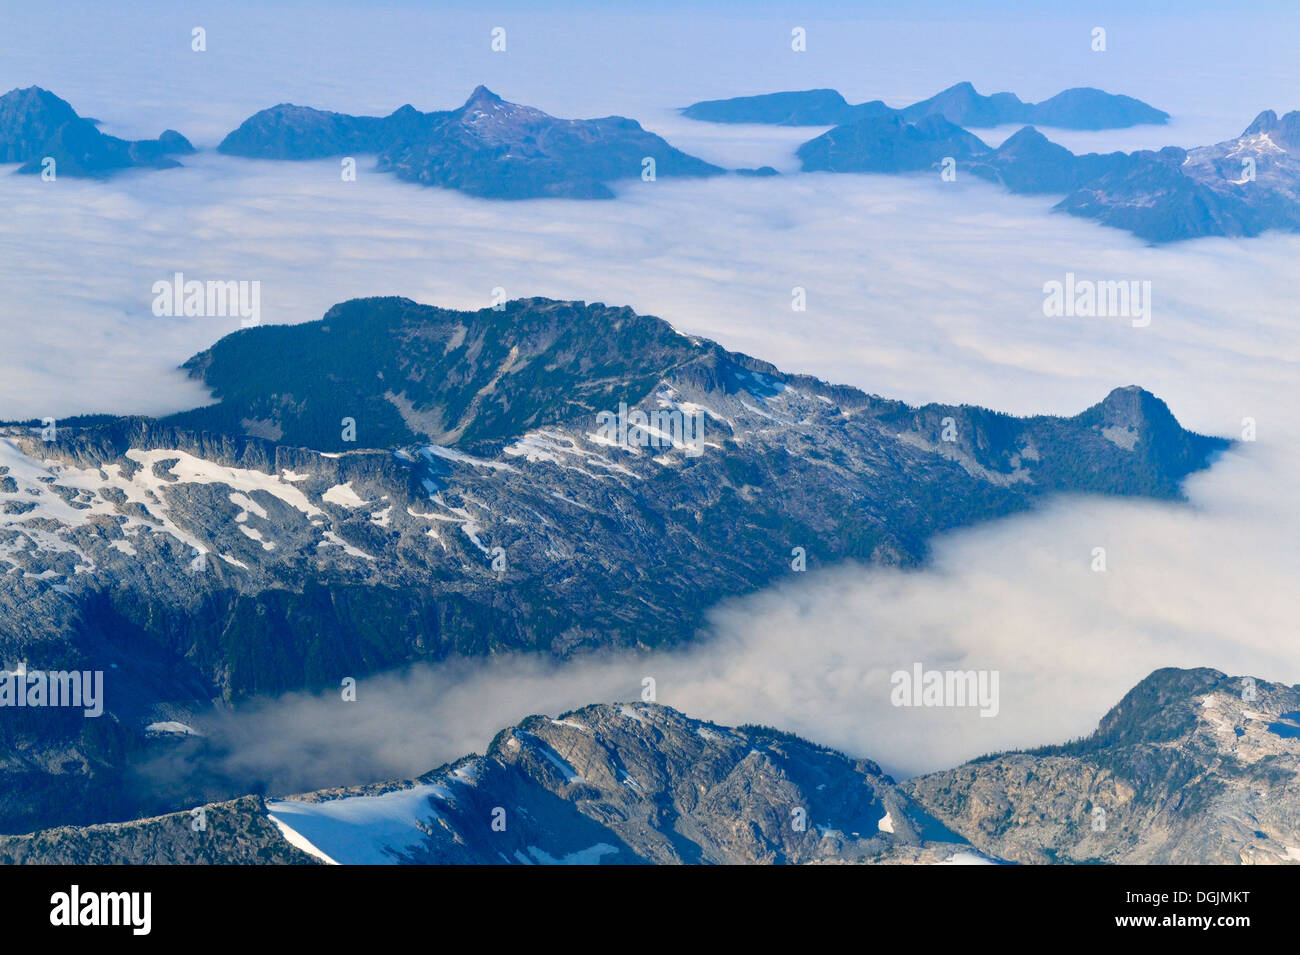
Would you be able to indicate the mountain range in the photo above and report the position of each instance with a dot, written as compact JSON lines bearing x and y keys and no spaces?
{"x":488,"y":147}
{"x":36,"y":125}
{"x":487,"y":503}
{"x":1240,"y":187}
{"x":1190,"y":767}
{"x":494,"y":149}
{"x":961,"y":104}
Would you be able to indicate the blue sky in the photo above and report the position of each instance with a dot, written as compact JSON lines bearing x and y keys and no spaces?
{"x":134,"y":68}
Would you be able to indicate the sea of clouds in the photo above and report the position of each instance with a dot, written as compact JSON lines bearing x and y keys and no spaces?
{"x":916,"y":289}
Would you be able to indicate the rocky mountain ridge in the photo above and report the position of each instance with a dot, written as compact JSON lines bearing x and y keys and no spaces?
{"x":621,"y":784}
{"x":36,"y":126}
{"x":1191,"y":767}
{"x":488,"y":147}
{"x":960,"y":104}
{"x":1240,"y":187}
{"x":554,"y":477}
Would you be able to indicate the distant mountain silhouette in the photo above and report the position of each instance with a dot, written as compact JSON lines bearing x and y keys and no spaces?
{"x":1240,"y":187}
{"x":488,"y":147}
{"x":889,"y":144}
{"x":36,"y":124}
{"x":1081,"y":108}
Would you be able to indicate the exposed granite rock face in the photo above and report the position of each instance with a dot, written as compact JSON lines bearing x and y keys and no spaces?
{"x":237,"y":832}
{"x":36,"y":124}
{"x":1081,"y":108}
{"x":491,"y":511}
{"x":635,"y":783}
{"x":1182,"y":770}
{"x":485,"y":429}
{"x":488,"y":147}
{"x":608,"y":784}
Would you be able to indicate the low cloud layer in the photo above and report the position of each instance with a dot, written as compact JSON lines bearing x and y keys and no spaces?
{"x":916,"y":289}
{"x":1200,"y":584}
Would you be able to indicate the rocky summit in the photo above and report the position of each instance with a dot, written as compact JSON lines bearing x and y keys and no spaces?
{"x":36,"y":126}
{"x":620,"y":784}
{"x":398,"y":483}
{"x":1191,"y":767}
{"x":488,"y":147}
{"x":1241,"y":187}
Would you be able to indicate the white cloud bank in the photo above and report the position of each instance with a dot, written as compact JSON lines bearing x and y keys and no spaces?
{"x":917,"y":289}
{"x":1202,"y":585}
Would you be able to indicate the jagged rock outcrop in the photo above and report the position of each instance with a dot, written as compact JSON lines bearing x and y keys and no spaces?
{"x":1191,"y":767}
{"x":607,"y":784}
{"x":237,"y":832}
